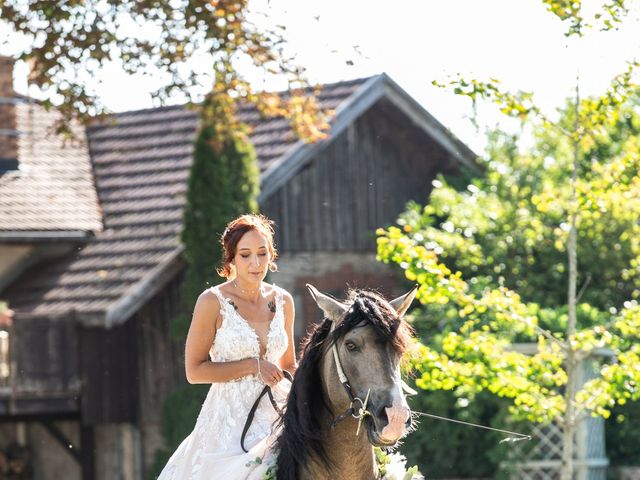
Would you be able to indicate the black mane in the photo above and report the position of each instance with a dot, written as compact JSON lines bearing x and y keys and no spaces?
{"x":301,"y":437}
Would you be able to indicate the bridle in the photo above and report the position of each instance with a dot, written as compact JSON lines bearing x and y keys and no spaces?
{"x":357,"y":413}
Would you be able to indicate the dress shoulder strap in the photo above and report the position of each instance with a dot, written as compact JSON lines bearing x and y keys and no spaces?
{"x":224,"y":304}
{"x":279,"y":298}
{"x":218,"y":295}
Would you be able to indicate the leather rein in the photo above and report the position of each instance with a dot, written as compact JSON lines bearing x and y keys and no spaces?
{"x":265,"y":391}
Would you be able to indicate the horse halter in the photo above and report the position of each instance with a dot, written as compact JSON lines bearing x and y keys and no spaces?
{"x":358,"y":413}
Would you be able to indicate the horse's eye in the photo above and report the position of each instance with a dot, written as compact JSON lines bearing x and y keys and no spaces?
{"x":351,"y":346}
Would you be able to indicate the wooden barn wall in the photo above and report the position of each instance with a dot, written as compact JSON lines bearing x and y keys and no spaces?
{"x":45,"y":356}
{"x":128,"y":370}
{"x":160,"y":364}
{"x":360,"y":182}
{"x":109,"y":374}
{"x":161,"y":355}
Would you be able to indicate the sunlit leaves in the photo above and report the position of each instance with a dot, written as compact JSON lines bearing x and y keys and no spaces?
{"x":481,"y":354}
{"x":472,"y":249}
{"x":73,"y":40}
{"x":572,"y":12}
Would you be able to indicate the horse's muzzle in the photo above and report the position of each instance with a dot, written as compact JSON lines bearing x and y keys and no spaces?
{"x":388,"y":425}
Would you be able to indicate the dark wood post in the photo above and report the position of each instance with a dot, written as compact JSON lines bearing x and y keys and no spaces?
{"x":88,"y":452}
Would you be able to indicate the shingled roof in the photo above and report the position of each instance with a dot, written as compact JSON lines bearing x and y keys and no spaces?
{"x":141,"y":162}
{"x":53,"y":190}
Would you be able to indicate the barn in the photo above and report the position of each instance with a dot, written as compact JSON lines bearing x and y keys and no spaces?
{"x":91,"y":262}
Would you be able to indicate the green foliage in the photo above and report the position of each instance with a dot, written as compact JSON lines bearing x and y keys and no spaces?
{"x":470,"y":250}
{"x":622,"y":434}
{"x":509,"y":227}
{"x":67,"y":43}
{"x":571,"y":12}
{"x":445,"y":450}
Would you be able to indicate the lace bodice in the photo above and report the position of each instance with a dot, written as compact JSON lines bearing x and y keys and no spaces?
{"x":236,"y":339}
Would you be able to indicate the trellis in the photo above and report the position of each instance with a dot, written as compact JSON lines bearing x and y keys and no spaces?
{"x":543,"y":461}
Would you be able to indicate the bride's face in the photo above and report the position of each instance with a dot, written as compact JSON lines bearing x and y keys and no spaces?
{"x":252,"y":257}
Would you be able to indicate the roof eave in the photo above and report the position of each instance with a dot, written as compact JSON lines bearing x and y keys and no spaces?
{"x":459,"y":152}
{"x":36,"y":236}
{"x":129,"y":303}
{"x":143,"y":290}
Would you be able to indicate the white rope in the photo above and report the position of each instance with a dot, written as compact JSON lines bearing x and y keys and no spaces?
{"x":521,"y":436}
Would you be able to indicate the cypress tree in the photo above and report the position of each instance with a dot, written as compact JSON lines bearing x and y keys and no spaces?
{"x":223,"y":184}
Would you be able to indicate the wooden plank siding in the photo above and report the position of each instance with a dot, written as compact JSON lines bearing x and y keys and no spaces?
{"x":161,"y":354}
{"x":360,"y":182}
{"x":45,"y":355}
{"x":44,"y":373}
{"x":109,"y":380}
{"x":130,"y":386}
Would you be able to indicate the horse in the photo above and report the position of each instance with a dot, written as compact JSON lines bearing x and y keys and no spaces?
{"x":347,"y":395}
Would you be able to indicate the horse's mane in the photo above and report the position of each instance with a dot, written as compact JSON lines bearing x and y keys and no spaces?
{"x":301,"y":439}
{"x":369,"y":307}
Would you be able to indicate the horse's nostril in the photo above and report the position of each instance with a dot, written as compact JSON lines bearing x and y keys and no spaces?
{"x":381,"y":413}
{"x":408,"y":422}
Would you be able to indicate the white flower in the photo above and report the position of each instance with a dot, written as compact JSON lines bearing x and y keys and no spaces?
{"x":396,"y":468}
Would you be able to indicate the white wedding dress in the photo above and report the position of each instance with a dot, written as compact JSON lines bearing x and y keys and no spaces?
{"x":212,"y":451}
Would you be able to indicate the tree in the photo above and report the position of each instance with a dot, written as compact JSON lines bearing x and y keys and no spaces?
{"x":223,"y":184}
{"x":517,"y":229}
{"x":69,"y":42}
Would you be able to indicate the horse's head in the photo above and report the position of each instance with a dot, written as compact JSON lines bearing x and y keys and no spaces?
{"x":363,"y":351}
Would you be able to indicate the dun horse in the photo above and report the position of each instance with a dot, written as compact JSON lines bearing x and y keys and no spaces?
{"x":347,"y":395}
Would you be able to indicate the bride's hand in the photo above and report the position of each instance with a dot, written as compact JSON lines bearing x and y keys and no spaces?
{"x":271,"y":374}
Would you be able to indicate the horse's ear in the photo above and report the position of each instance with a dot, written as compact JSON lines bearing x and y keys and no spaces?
{"x":333,"y":309}
{"x":402,"y":304}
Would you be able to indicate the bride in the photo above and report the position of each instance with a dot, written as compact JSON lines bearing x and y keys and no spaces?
{"x":240,"y":338}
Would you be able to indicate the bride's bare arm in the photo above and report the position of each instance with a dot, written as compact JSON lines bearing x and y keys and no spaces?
{"x":202,"y":331}
{"x":288,"y":360}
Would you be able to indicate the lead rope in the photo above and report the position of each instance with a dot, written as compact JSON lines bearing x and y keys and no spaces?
{"x":519,"y":436}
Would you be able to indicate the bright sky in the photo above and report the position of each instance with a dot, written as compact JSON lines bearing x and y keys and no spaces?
{"x":417,"y":41}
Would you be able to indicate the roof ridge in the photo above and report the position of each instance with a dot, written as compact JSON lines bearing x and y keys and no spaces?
{"x":186,"y":105}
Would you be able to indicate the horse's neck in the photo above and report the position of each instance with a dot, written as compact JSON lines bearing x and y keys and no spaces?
{"x":352,"y":456}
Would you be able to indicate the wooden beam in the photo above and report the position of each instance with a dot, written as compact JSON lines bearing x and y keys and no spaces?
{"x":66,"y":444}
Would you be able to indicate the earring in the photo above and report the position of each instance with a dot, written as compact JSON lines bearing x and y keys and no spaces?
{"x":273,"y":267}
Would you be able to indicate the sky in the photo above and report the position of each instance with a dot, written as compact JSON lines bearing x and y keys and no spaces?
{"x":418,"y":41}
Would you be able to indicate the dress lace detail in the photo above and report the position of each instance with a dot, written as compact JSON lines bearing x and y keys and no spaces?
{"x":215,"y":440}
